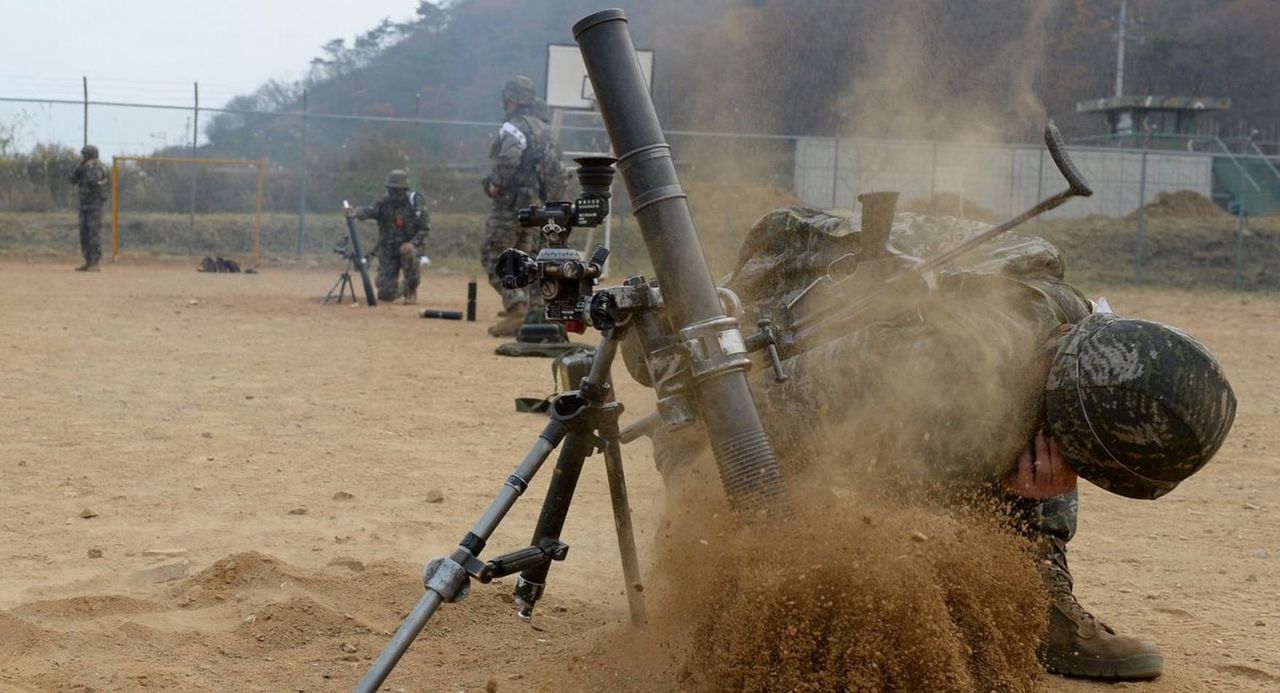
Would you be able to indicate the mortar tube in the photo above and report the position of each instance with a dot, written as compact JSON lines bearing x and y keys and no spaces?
{"x":747,"y":465}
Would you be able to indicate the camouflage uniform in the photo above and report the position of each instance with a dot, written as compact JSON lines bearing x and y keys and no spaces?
{"x":941,"y":388}
{"x":555,"y":175}
{"x":94,"y":186}
{"x":517,"y":154}
{"x":946,"y":385}
{"x":401,"y":219}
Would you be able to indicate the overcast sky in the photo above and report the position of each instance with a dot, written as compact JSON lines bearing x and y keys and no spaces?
{"x":152,"y":51}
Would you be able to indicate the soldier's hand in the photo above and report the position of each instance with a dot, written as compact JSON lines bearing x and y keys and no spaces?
{"x":1042,"y":471}
{"x":349,"y":212}
{"x":408,"y":248}
{"x":491,"y":190}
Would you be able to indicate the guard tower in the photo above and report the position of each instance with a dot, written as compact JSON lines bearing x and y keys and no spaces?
{"x":1243,"y":178}
{"x":1133,"y":116}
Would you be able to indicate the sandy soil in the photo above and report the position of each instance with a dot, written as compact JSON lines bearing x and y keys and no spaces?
{"x":279,"y":454}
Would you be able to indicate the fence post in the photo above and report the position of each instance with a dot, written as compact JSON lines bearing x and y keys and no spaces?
{"x":302,"y":195}
{"x":835,"y":171}
{"x":1238,"y":282}
{"x":1140,"y":252}
{"x":1013,"y":171}
{"x":85,"y":80}
{"x":933,"y":179}
{"x":1040,"y":183}
{"x":191,"y":209}
{"x":729,"y":189}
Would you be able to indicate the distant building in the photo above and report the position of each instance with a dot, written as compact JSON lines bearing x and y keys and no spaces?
{"x":1167,"y":115}
{"x":1243,"y":178}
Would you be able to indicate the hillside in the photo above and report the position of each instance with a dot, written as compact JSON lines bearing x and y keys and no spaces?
{"x":913,"y":68}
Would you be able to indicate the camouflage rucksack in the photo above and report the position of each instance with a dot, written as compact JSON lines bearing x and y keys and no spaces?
{"x":542,"y":158}
{"x":553,"y":174}
{"x":788,"y":248}
{"x":1136,"y":406}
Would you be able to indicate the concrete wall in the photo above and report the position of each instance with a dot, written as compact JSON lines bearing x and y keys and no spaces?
{"x":1005,"y":179}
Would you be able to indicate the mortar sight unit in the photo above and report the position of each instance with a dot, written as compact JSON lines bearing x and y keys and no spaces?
{"x":564,"y":277}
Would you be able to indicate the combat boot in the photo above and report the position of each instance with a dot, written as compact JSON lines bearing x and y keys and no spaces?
{"x":411,"y":297}
{"x":1077,"y":643}
{"x":89,"y":267}
{"x":507,"y":326}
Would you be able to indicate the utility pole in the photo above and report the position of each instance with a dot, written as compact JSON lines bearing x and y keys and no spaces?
{"x":302,"y":187}
{"x":1122,"y":35}
{"x":85,"y":80}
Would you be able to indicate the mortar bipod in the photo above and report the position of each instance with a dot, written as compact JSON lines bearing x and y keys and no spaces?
{"x":582,"y":421}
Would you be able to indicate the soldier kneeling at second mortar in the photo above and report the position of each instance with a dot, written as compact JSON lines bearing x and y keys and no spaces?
{"x":403,"y":224}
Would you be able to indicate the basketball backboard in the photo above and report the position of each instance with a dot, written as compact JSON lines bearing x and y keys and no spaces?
{"x":567,"y":83}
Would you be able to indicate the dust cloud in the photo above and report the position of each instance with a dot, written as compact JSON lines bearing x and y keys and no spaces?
{"x":868,"y":594}
{"x":912,"y":88}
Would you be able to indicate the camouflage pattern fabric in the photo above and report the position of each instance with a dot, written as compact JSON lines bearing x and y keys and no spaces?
{"x":500,"y":233}
{"x":554,"y":174}
{"x":1137,"y":406}
{"x":943,"y":387}
{"x":93,"y":184}
{"x":91,"y":234}
{"x":790,"y":247}
{"x":392,"y":262}
{"x":517,"y":155}
{"x":939,"y":388}
{"x":1052,"y":517}
{"x":520,"y":90}
{"x":401,"y":219}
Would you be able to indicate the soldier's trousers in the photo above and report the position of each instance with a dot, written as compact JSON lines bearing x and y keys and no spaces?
{"x":500,"y":233}
{"x":91,"y":234}
{"x":1052,"y":517}
{"x":391,"y":263}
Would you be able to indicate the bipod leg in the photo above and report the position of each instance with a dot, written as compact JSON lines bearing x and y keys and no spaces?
{"x":347,"y":284}
{"x":448,"y":579}
{"x":339,"y":286}
{"x":580,"y":442}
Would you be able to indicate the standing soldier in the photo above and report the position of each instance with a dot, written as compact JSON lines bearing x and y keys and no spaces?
{"x":94,"y":187}
{"x":516,"y":181}
{"x":403,"y":224}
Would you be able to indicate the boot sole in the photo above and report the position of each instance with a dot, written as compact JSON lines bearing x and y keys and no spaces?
{"x":1133,"y":668}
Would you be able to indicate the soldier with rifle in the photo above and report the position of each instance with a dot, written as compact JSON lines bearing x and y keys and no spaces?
{"x":521,"y":154}
{"x":93,"y":184}
{"x":403,"y":224}
{"x":1001,"y":382}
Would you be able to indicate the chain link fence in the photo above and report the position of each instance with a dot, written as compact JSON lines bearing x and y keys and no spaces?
{"x":314,"y":161}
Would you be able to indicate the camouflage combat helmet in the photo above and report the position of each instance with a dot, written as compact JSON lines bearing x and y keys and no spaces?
{"x":89,"y":151}
{"x":520,"y":91}
{"x":1136,"y":406}
{"x":398,"y":179}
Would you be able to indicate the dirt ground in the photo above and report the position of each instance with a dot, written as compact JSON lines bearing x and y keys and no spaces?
{"x":274,"y":459}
